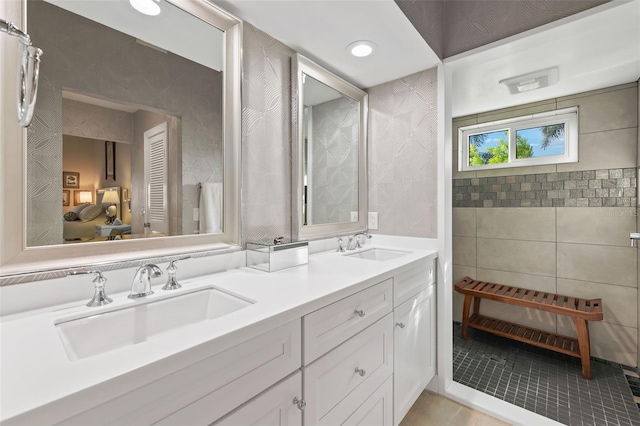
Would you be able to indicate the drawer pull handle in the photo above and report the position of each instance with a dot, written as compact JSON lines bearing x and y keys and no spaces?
{"x":361,"y":371}
{"x":300,"y":403}
{"x":400,"y":324}
{"x":359,"y":312}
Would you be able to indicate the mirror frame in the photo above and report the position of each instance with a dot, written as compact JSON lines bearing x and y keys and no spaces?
{"x":17,"y":259}
{"x":300,"y":66}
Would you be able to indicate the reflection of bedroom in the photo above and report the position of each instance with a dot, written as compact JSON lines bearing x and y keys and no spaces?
{"x":86,"y":158}
{"x":104,"y":145}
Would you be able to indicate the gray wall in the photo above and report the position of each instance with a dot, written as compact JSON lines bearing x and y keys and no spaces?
{"x":402,"y":146}
{"x":266,"y":136}
{"x":403,"y":155}
{"x":563,"y":248}
{"x":101,"y":60}
{"x":334,"y":155}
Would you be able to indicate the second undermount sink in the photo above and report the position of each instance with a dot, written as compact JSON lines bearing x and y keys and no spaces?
{"x":378,"y":254}
{"x":95,"y":334}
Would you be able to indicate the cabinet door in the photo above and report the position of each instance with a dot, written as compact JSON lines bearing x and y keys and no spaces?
{"x":377,"y":410}
{"x":275,"y":407}
{"x":414,"y":350}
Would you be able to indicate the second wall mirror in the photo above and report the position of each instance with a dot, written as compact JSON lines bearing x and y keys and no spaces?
{"x":330,"y":153}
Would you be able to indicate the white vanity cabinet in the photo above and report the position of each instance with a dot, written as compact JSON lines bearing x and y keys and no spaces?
{"x":414,"y":336}
{"x":348,"y":356}
{"x":235,"y":376}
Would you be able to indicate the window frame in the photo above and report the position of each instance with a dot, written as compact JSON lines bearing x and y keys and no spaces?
{"x":566,"y":116}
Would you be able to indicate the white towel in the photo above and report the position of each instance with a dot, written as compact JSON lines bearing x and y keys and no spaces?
{"x":211,"y":208}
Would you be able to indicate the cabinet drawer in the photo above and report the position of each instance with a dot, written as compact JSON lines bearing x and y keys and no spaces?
{"x":332,"y":386}
{"x":274,"y":407}
{"x":218,"y":384}
{"x":409,"y":283}
{"x":327,"y":327}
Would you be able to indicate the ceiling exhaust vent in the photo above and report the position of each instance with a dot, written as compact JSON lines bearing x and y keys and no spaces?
{"x":531,"y":81}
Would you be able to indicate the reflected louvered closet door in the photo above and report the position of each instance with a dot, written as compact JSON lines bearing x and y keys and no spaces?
{"x":155,"y":175}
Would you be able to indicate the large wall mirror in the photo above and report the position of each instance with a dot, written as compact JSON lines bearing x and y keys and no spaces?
{"x":135,"y":136}
{"x":330,"y":141}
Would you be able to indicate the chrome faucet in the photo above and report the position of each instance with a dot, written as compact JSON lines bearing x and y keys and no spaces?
{"x":340,"y":246}
{"x":355,"y":239}
{"x":141,"y":285}
{"x":100,"y":297}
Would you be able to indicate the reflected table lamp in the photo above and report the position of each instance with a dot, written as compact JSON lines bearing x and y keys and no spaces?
{"x":111,"y":197}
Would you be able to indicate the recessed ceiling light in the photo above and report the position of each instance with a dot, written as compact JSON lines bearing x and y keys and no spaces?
{"x":361,"y":48}
{"x":148,"y":7}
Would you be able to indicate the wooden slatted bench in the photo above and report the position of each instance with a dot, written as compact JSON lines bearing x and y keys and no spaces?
{"x":580,"y":310}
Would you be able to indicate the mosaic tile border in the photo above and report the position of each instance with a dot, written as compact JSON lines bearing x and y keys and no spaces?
{"x":588,"y":188}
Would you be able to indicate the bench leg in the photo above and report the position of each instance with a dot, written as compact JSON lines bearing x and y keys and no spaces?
{"x":465,"y":315}
{"x":476,"y":305}
{"x":582,"y":328}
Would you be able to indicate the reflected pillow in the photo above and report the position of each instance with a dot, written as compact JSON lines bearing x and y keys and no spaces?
{"x":78,"y":209}
{"x":69,"y":216}
{"x":90,"y":212}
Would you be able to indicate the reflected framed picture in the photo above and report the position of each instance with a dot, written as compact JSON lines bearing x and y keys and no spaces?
{"x":66,"y":195}
{"x":110,"y":160}
{"x":70,"y":180}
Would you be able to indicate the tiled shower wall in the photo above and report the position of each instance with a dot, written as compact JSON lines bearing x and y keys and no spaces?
{"x":553,"y":228}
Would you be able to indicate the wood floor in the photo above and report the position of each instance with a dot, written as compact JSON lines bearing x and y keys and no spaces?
{"x":432,"y":409}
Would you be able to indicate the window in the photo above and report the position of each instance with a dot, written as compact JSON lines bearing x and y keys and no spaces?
{"x":545,"y":138}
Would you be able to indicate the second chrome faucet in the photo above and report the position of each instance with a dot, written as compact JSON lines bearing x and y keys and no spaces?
{"x":141,"y":285}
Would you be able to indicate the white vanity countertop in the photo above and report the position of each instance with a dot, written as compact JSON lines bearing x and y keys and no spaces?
{"x":35,"y":369}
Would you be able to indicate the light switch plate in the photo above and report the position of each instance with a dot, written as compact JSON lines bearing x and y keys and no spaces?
{"x":354,"y":216}
{"x":373,"y":220}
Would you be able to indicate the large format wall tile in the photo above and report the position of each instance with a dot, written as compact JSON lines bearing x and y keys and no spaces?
{"x":464,"y":251}
{"x":595,"y":263}
{"x":518,"y":223}
{"x":464,"y":222}
{"x":608,"y":341}
{"x":616,"y":109}
{"x":619,"y":303}
{"x":528,"y":257}
{"x":403,"y":155}
{"x":612,"y":149}
{"x":601,"y":225}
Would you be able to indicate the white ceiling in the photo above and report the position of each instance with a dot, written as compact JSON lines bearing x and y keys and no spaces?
{"x":173,"y":29}
{"x":322,"y":29}
{"x":594,"y":49}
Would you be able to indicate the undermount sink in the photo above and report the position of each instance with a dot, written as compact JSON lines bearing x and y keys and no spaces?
{"x":378,"y":254}
{"x":95,"y":334}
